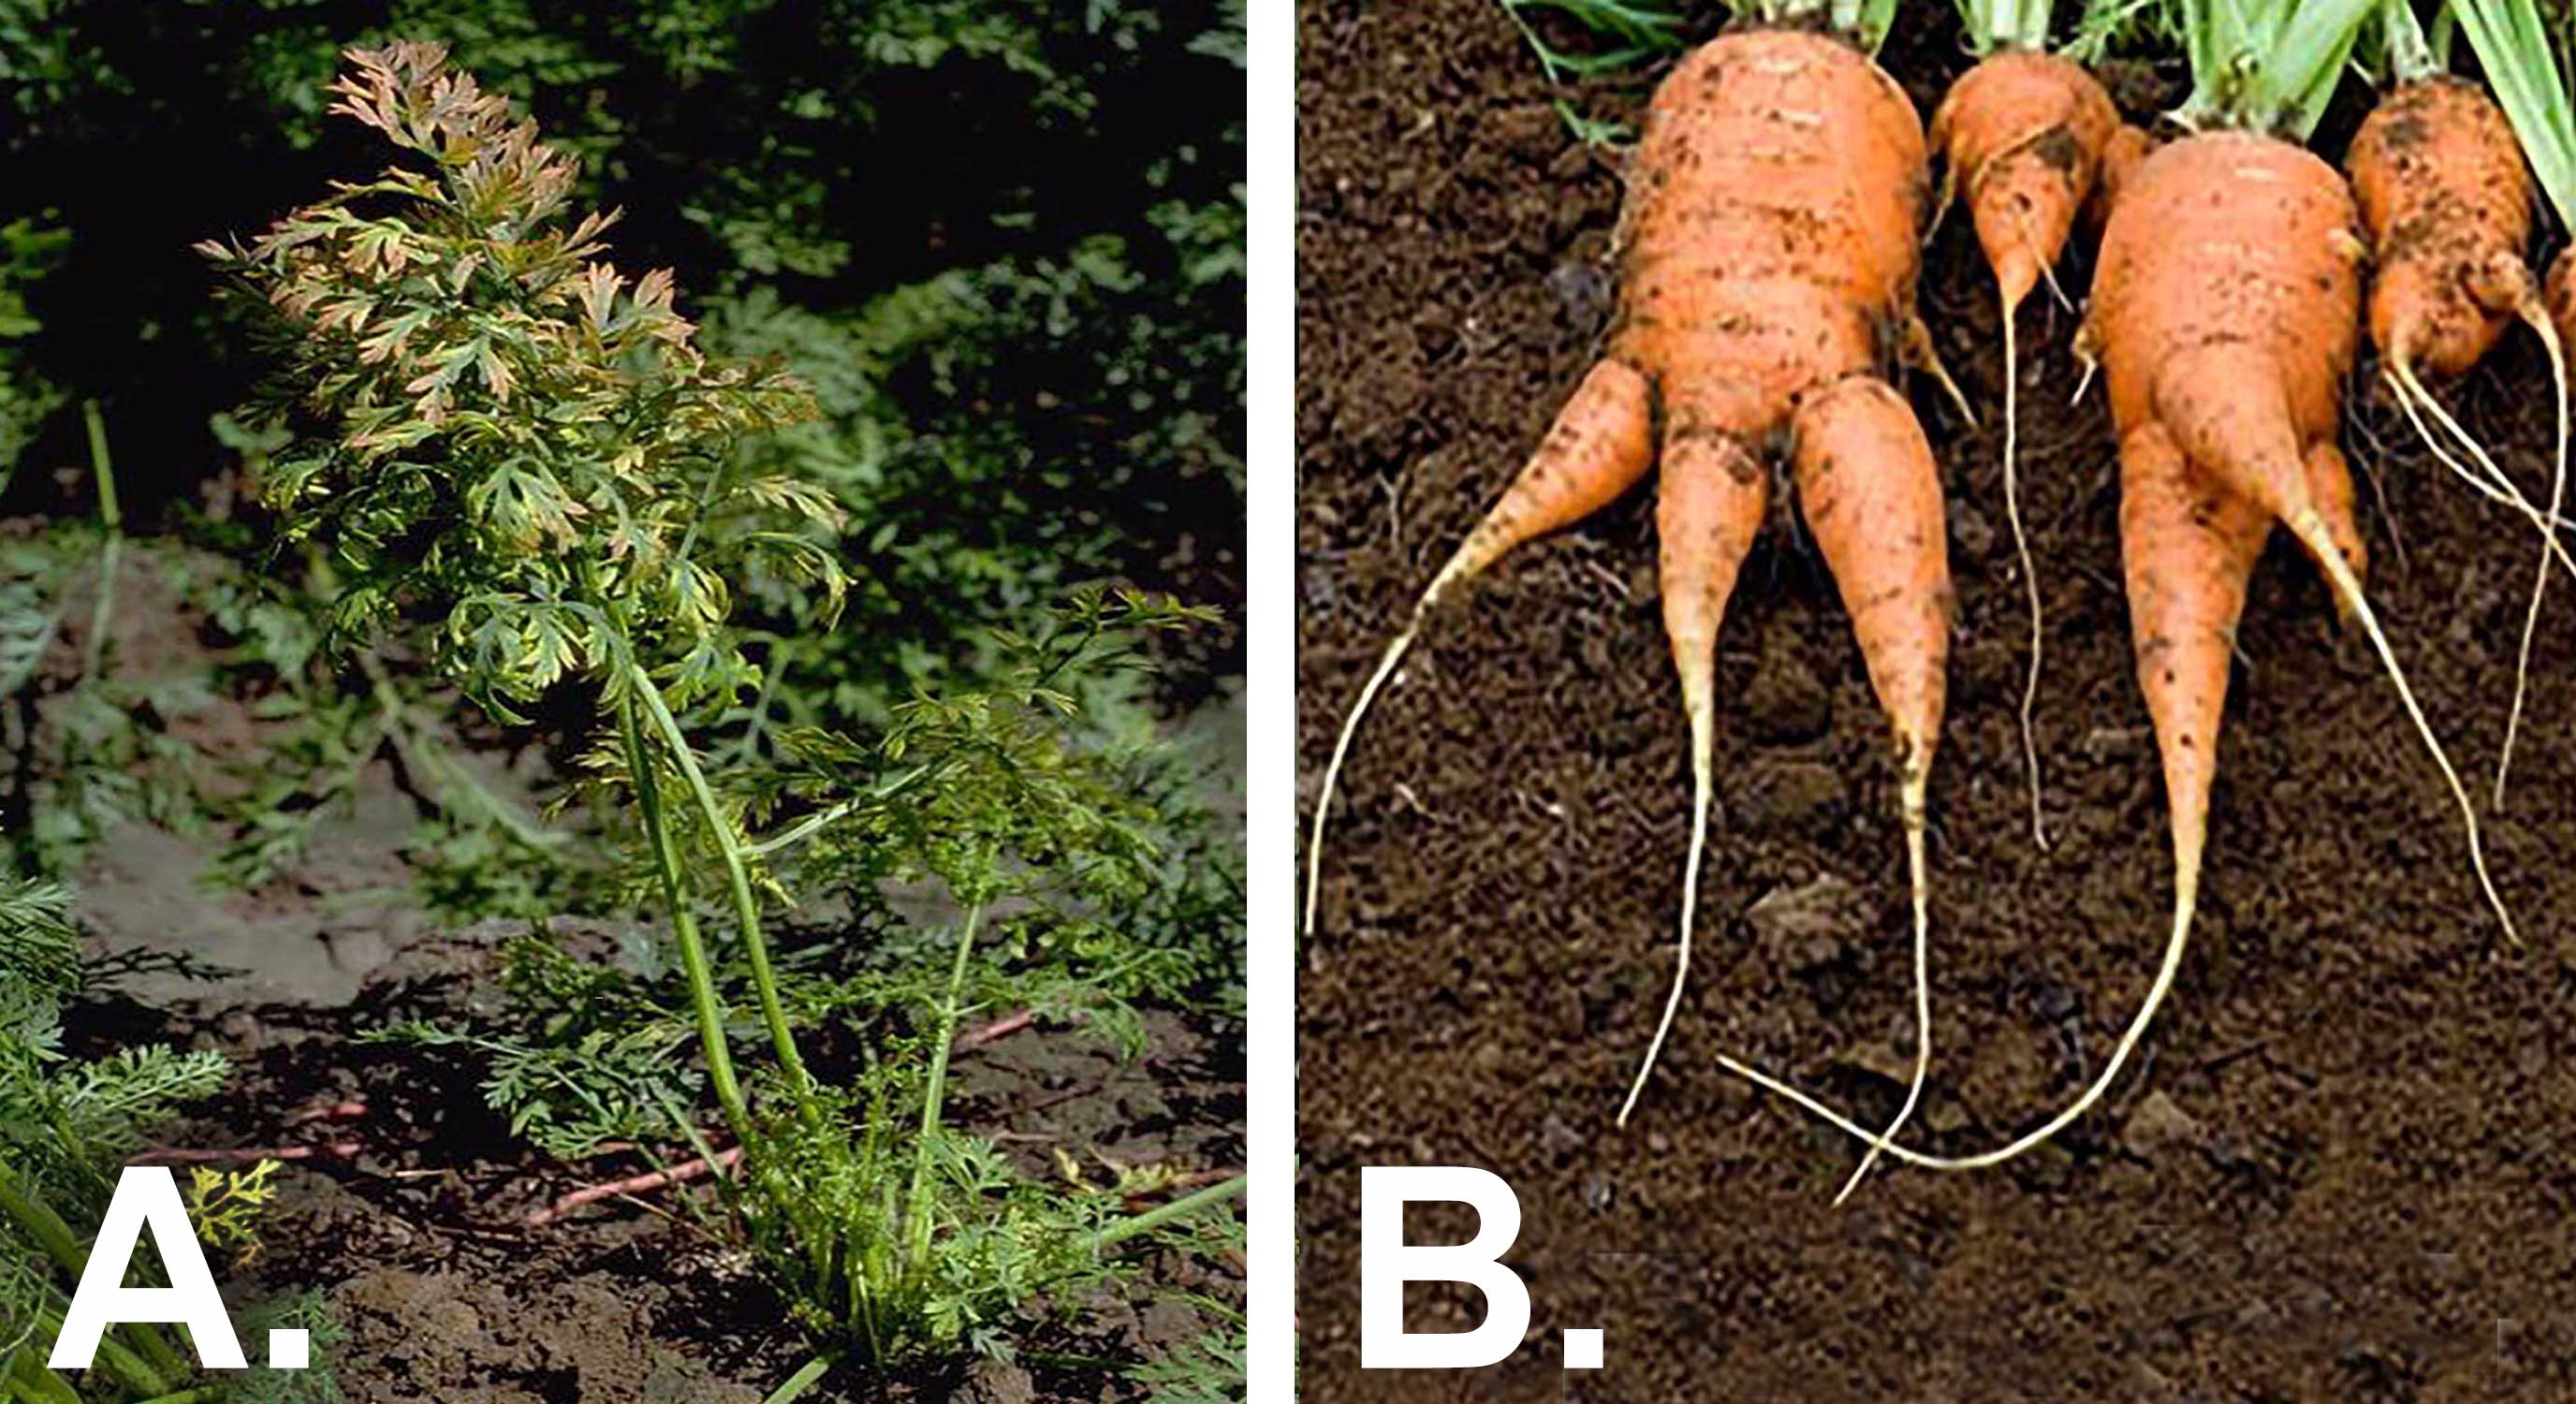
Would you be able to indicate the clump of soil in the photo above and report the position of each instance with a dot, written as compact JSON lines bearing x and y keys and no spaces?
{"x":2334,"y":1174}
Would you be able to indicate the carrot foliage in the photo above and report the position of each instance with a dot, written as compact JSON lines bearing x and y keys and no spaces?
{"x":2267,"y":65}
{"x":2514,"y":47}
{"x":523,"y":473}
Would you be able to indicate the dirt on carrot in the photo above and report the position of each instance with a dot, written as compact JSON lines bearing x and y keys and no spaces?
{"x":1770,"y":241}
{"x":2330,"y":1178}
{"x":2023,"y":135}
{"x":2445,"y":201}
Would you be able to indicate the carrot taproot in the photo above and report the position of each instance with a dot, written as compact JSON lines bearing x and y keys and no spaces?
{"x":2445,"y":202}
{"x":1872,"y":497}
{"x":1768,"y":244}
{"x":2227,"y":306}
{"x":2023,"y":133}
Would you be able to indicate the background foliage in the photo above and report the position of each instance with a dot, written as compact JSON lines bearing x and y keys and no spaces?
{"x":1002,"y":239}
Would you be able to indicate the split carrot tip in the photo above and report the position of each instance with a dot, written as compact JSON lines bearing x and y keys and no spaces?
{"x":1918,"y":767}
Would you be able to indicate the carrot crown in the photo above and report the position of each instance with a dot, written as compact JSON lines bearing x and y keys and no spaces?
{"x":1996,"y":26}
{"x":2522,"y":67}
{"x":2267,"y":65}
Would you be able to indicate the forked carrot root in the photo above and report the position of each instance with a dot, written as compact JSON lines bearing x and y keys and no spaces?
{"x":2226,"y":327}
{"x":1793,"y":143}
{"x":2443,"y":192}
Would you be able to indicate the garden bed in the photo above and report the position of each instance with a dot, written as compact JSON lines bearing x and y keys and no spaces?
{"x":407,"y":1216}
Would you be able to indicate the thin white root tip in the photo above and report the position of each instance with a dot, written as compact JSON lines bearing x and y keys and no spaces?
{"x":1911,"y":801}
{"x":2311,"y":531}
{"x":2030,"y":586}
{"x":1701,"y":764}
{"x":2538,"y":317}
{"x":1342,"y":744}
{"x":2186,"y":895}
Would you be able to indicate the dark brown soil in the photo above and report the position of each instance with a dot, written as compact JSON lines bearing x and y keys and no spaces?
{"x":2335,"y":1175}
{"x":412,"y":1233}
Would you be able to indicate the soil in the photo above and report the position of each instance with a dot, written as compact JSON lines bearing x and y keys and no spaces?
{"x":2333,"y":1174}
{"x":410,"y":1227}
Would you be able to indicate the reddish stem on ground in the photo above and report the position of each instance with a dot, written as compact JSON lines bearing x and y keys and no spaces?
{"x":328,"y":1111}
{"x":997,"y":1030}
{"x":724,"y":1160}
{"x":174,"y":1155}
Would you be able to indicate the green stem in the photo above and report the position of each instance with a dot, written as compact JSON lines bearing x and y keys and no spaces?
{"x":746,"y":903}
{"x":42,"y":1224}
{"x":1180,"y":1208}
{"x":20,"y":1201}
{"x":2410,"y":56}
{"x":39,"y":1385}
{"x":155,"y":1348}
{"x":801,"y":1381}
{"x":934,"y":1092}
{"x":113,"y":1357}
{"x":684,"y":926}
{"x":103,"y":472}
{"x":805,"y":828}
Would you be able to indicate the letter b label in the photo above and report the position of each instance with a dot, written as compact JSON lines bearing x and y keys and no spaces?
{"x":1387,"y":1262}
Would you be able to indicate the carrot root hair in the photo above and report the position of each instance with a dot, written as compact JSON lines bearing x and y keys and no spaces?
{"x":2487,"y":480}
{"x":1394,"y":655}
{"x":2310,"y":529}
{"x":1599,"y":446}
{"x":2186,"y":900}
{"x":2537,"y":315}
{"x":1702,"y":764}
{"x":1918,"y":772}
{"x":1924,"y":355}
{"x":2030,"y":585}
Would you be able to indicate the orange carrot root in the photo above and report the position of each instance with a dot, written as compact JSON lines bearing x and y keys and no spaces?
{"x":1771,"y":140}
{"x":1708,"y":509}
{"x":2025,"y":134}
{"x":2227,"y":326}
{"x":1872,"y":495}
{"x":1794,"y":144}
{"x":2445,"y":198}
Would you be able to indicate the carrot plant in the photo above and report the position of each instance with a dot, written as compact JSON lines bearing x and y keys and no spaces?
{"x":520,"y":467}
